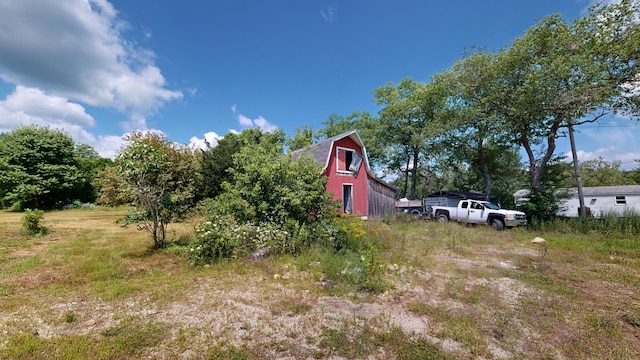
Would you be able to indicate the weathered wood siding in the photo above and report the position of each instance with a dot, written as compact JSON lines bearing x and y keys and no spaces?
{"x":381,"y":199}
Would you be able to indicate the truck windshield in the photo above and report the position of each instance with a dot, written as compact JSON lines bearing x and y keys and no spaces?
{"x":491,"y":206}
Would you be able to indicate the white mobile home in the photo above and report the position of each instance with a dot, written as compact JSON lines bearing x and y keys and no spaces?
{"x":598,"y":200}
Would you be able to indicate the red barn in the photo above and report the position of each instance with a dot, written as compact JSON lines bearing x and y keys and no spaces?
{"x":350,"y":179}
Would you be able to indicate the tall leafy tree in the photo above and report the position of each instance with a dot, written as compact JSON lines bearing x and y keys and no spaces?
{"x":503,"y":161}
{"x":304,"y":137}
{"x":109,"y":185}
{"x":216,"y":161}
{"x":560,"y":75}
{"x":38,"y":168}
{"x":90,"y":163}
{"x":413,"y":121}
{"x":477,"y":127}
{"x":159,"y":178}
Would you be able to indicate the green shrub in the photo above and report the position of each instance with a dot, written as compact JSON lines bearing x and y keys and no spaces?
{"x":31,"y":222}
{"x":625,"y":225}
{"x":221,"y":236}
{"x":267,"y":187}
{"x":342,"y":232}
{"x":217,"y":238}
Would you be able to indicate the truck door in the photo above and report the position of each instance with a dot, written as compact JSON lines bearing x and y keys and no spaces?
{"x":476,"y":213}
{"x":463,"y":212}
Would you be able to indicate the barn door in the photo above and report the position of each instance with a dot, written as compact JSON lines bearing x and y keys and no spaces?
{"x":347,"y":198}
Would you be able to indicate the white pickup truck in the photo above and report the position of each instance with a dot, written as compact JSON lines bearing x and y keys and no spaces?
{"x":479,"y":212}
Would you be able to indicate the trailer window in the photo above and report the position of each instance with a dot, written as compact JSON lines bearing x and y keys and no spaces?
{"x":621,"y":200}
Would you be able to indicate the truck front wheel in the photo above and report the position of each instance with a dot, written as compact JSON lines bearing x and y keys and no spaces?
{"x":443,"y":218}
{"x":497,"y":224}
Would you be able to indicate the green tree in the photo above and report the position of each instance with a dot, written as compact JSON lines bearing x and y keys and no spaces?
{"x":543,"y":205}
{"x":502,"y":160}
{"x":90,"y":163}
{"x":109,"y":186}
{"x":560,"y":75}
{"x":159,"y":177}
{"x":478,"y":137}
{"x":369,"y":129}
{"x":599,"y":172}
{"x":304,"y":137}
{"x":413,"y":121}
{"x":39,"y":169}
{"x":215,"y":162}
{"x":634,"y":174}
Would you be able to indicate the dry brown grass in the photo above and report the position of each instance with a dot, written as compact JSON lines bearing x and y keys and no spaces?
{"x":91,"y":289}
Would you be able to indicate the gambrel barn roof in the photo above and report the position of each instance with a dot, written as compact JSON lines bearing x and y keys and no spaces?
{"x":321,"y":150}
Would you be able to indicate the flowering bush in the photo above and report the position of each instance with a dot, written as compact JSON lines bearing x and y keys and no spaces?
{"x":344,"y":233}
{"x":223,"y":237}
{"x":215,"y":239}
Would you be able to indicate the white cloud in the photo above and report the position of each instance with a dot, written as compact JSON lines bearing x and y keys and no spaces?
{"x":108,"y":146}
{"x":329,"y":14}
{"x":246,"y":122}
{"x":264,"y":125}
{"x":27,"y":106}
{"x":626,"y":158}
{"x":75,"y":50}
{"x":29,"y":103}
{"x":260,"y":123}
{"x":201,"y":144}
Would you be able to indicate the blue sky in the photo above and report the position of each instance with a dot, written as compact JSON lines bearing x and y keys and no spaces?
{"x":194,"y":69}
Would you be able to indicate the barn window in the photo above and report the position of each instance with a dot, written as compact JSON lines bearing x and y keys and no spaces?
{"x":621,"y":200}
{"x":348,"y":160}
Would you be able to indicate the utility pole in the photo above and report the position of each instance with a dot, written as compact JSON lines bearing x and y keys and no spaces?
{"x":576,"y":168}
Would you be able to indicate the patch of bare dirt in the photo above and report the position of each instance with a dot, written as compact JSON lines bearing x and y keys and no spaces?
{"x":249,"y":313}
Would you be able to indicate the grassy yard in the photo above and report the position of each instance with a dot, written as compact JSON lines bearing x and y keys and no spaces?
{"x":90,"y":289}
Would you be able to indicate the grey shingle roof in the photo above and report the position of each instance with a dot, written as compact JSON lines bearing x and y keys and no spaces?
{"x":609,"y":190}
{"x":594,"y":190}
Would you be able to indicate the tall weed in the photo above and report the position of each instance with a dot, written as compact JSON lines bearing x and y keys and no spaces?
{"x":610,"y":224}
